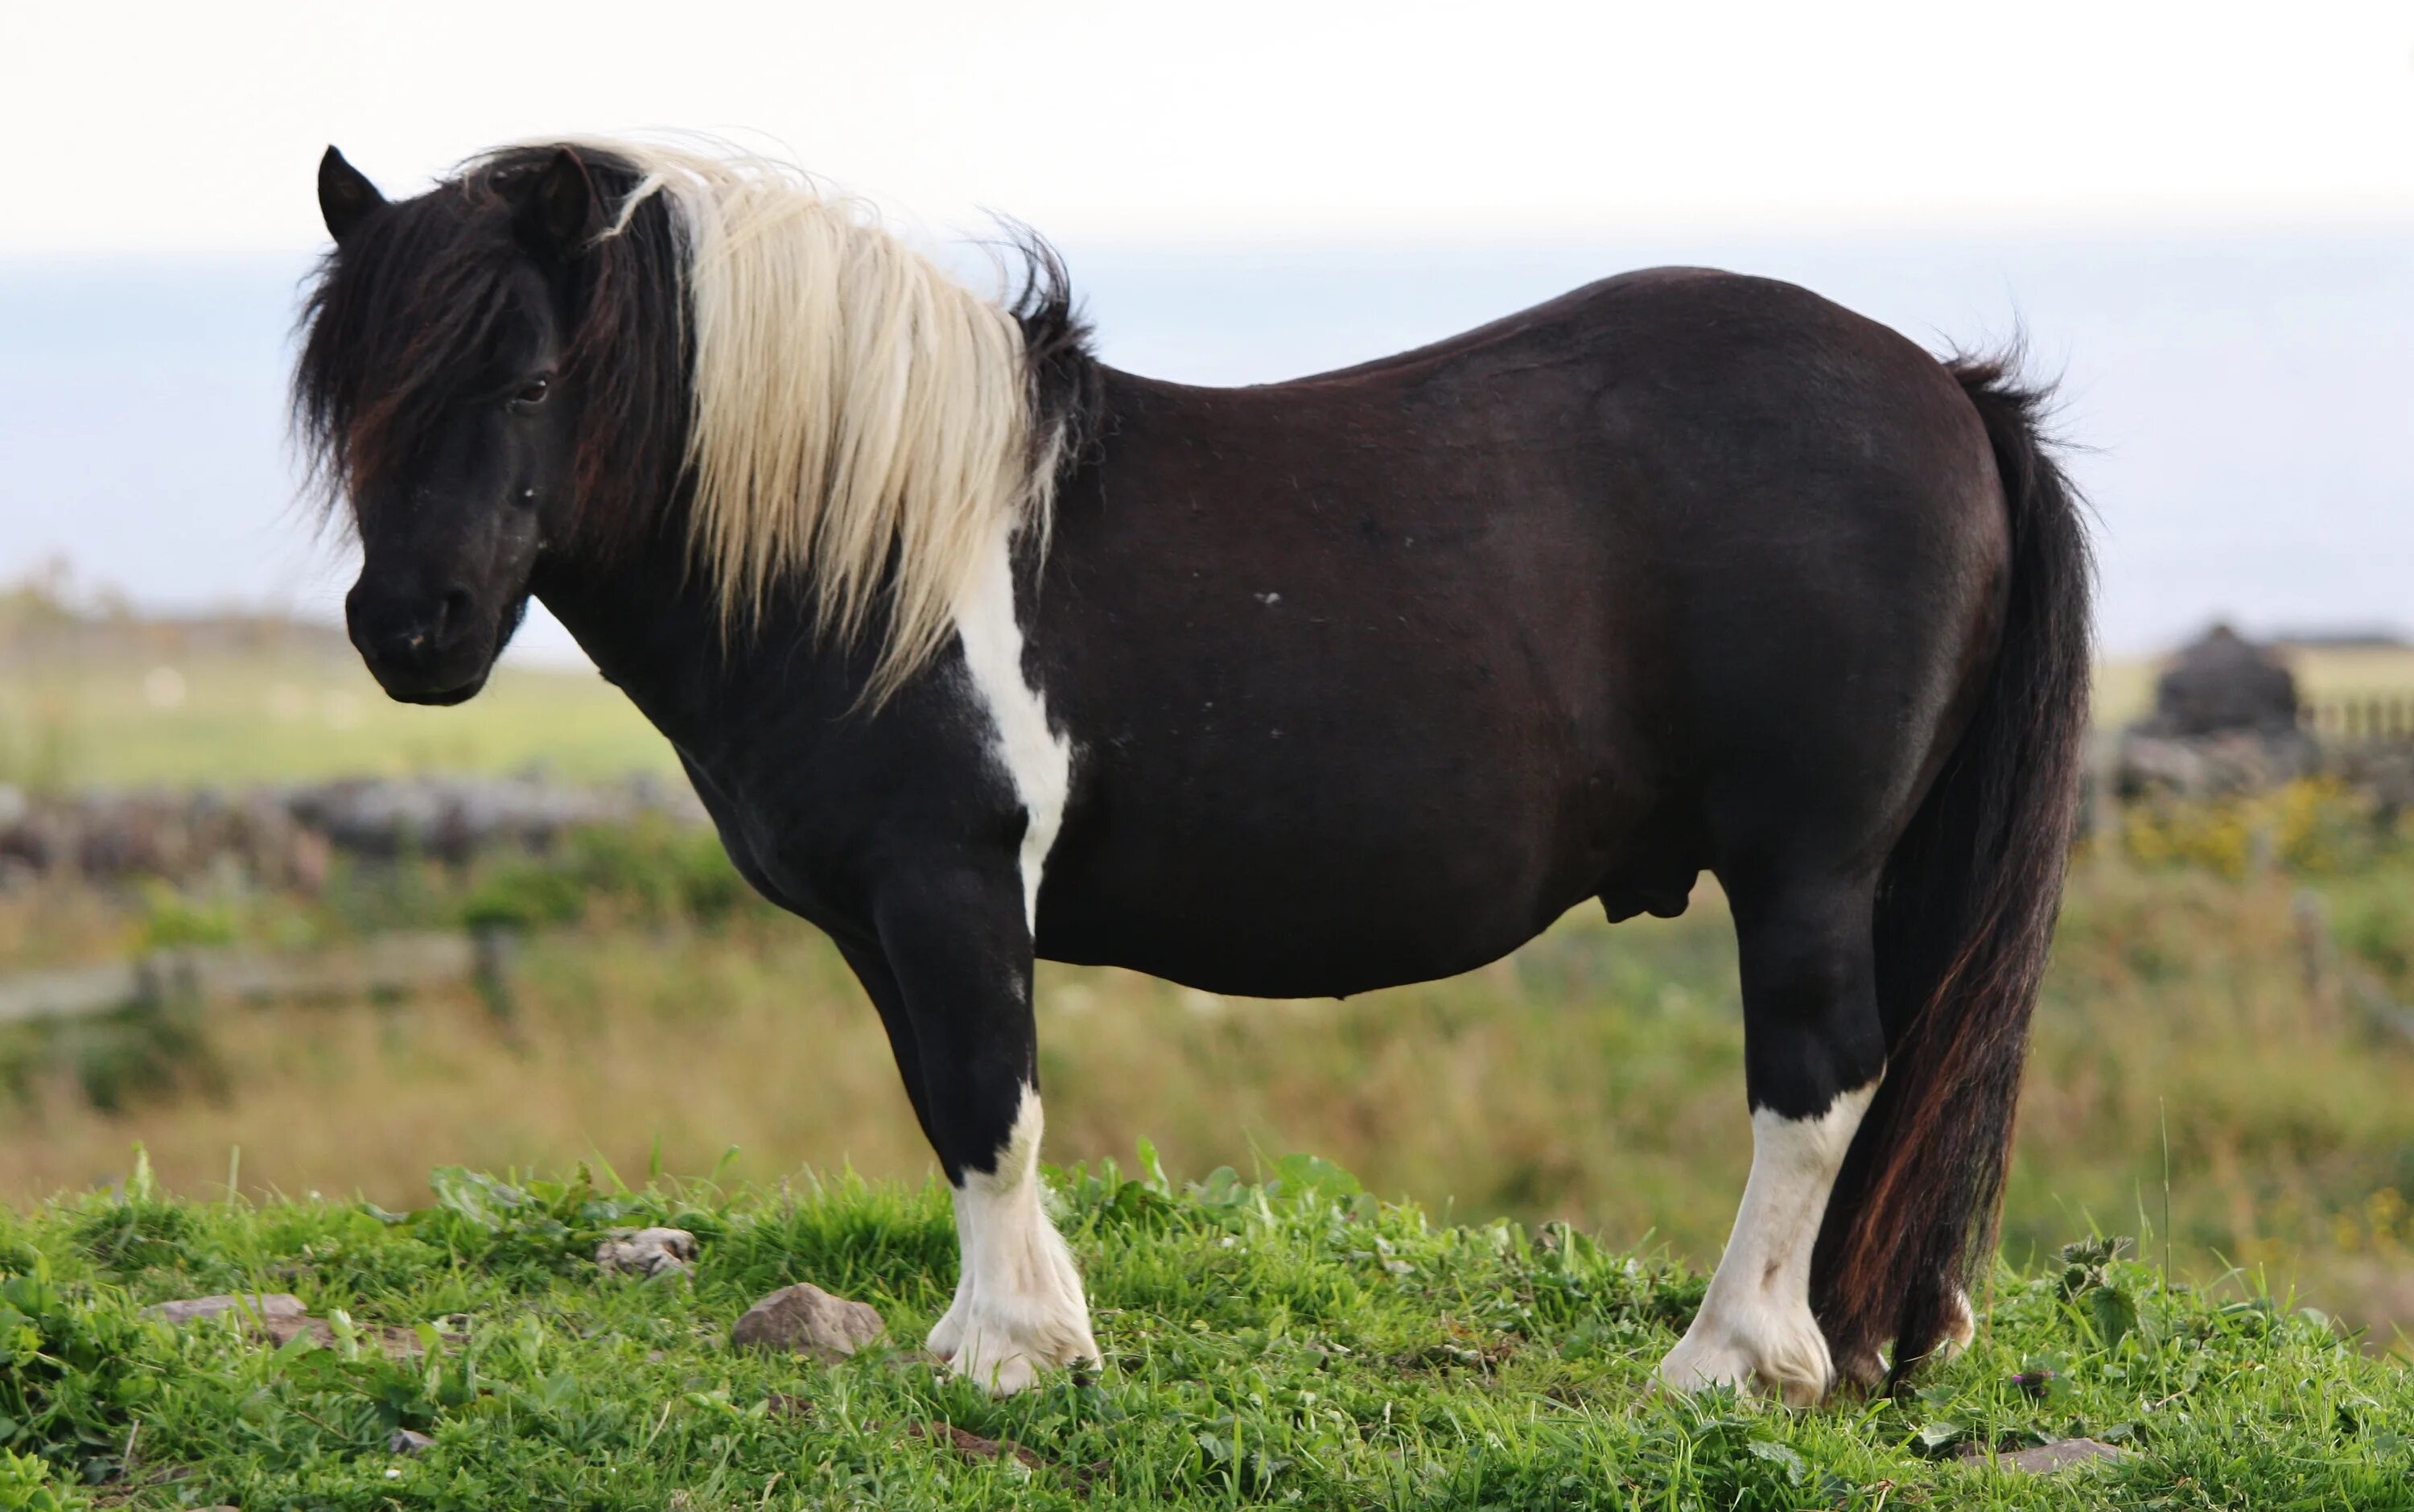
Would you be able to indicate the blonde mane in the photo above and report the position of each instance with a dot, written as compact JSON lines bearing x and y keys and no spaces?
{"x":863,"y":423}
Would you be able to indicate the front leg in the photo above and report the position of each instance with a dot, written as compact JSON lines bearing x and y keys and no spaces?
{"x":958,"y":954}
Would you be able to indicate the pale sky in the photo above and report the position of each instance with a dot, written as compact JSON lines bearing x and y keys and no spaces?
{"x":2203,"y":214}
{"x":186,"y":128}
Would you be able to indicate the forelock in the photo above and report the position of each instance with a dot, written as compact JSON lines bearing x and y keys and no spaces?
{"x":398,"y":325}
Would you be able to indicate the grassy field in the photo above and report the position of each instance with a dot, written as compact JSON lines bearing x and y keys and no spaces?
{"x":96,"y":703}
{"x":2203,"y":1075}
{"x":1289,"y":1344}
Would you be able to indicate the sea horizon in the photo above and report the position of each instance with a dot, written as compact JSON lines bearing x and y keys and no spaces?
{"x":2238,"y":401}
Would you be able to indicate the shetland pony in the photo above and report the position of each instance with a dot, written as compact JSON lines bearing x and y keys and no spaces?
{"x":978,"y":651}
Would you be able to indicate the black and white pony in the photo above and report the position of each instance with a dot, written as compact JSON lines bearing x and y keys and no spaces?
{"x":979,"y":650}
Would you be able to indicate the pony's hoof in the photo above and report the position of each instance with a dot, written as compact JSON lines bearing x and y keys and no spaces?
{"x":1790,"y":1365}
{"x":1009,"y":1376}
{"x":1960,"y":1327}
{"x":1001,"y":1368}
{"x":1866,"y":1369}
{"x":1964,"y":1324}
{"x":948,"y":1334}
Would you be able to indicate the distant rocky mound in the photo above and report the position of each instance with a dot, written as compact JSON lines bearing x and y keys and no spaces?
{"x":2223,"y":683}
{"x":2224,"y":720}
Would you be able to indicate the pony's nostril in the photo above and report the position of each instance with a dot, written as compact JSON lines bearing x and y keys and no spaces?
{"x":452,"y":612}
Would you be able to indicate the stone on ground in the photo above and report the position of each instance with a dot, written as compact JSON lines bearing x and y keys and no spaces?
{"x":279,"y":1318}
{"x":268,"y":1307}
{"x":2046,"y":1458}
{"x":805,"y":1320}
{"x":647,"y":1253}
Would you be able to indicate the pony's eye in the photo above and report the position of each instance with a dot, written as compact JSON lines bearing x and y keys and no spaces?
{"x":531,"y":393}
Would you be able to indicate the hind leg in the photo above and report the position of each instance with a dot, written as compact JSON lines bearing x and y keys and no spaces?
{"x":1814,"y":1050}
{"x":1960,"y":1330}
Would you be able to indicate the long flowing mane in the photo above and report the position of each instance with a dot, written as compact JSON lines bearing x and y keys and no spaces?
{"x":839,"y":416}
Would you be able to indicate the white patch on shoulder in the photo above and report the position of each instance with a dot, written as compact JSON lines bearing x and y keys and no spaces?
{"x":1018,"y":1307}
{"x":1035,"y":759}
{"x":1755,"y":1320}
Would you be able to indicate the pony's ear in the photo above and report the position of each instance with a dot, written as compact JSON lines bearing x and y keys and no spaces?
{"x":556,"y":214}
{"x":345,"y":196}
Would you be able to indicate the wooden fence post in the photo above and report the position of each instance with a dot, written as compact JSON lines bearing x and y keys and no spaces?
{"x":496,"y":951}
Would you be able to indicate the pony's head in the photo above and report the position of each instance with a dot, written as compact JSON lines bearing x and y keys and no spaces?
{"x":571,"y":352}
{"x":463,"y":387}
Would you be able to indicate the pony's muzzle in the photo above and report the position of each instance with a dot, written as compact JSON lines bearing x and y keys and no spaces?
{"x":421,"y":647}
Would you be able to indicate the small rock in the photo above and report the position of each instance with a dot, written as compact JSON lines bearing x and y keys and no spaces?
{"x":972,"y":1445}
{"x":805,"y":1320}
{"x":268,"y":1307}
{"x":647,"y":1253}
{"x":394,"y":1343}
{"x":279,"y":1318}
{"x":2046,"y":1458}
{"x":407,"y":1442}
{"x":283,"y":1331}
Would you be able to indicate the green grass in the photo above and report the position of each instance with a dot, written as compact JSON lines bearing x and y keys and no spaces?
{"x":2195,"y":1078}
{"x":1289,"y":1344}
{"x":175,"y":716}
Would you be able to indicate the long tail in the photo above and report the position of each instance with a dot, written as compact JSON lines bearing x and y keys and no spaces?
{"x":1965,"y":911}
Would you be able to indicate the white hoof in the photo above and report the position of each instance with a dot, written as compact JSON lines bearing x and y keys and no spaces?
{"x":1786,"y":1358}
{"x":1004,"y":1344}
{"x":948,"y":1334}
{"x":1002,"y":1365}
{"x":1008,"y":1353}
{"x":1005,"y":1376}
{"x":1866,"y":1371}
{"x":1960,"y":1327}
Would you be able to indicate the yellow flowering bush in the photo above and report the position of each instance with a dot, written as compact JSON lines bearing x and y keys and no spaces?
{"x":2315,"y":825}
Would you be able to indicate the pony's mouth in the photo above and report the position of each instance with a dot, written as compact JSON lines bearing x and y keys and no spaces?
{"x":412,"y":671}
{"x":437,"y":688}
{"x":436,"y":698}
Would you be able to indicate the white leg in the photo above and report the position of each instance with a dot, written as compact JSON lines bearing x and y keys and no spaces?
{"x":948,"y":1334}
{"x":1755,"y":1322}
{"x":1019,"y":1307}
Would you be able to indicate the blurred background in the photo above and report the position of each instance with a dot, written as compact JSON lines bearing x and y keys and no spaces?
{"x":290,"y":936}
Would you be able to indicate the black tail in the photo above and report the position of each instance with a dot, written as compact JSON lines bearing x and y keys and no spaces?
{"x":1965,"y":911}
